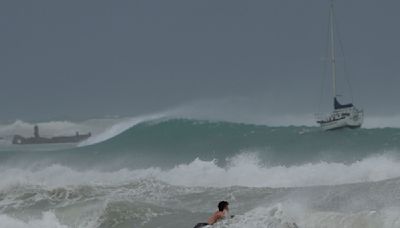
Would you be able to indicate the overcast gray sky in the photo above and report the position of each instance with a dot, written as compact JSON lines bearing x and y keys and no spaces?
{"x":82,"y":59}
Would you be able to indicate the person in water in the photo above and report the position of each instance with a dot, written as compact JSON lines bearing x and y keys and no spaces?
{"x":222,"y":212}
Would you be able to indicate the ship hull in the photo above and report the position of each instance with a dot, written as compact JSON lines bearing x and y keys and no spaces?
{"x":346,"y":118}
{"x":19,"y":140}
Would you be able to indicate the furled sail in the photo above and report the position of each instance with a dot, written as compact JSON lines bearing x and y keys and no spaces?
{"x":337,"y":105}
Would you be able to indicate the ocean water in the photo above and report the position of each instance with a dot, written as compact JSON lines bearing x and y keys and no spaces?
{"x":153,"y":171}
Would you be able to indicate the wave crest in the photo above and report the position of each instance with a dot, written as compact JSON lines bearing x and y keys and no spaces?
{"x":245,"y":169}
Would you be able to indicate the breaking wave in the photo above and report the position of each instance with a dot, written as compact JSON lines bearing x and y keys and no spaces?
{"x":118,"y":128}
{"x":48,"y":220}
{"x":242,"y":170}
{"x":158,"y":171}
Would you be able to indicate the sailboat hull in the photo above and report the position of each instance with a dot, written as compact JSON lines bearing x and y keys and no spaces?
{"x":346,"y":118}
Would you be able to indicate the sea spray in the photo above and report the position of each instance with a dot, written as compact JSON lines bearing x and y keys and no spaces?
{"x":163,"y":172}
{"x":242,"y":170}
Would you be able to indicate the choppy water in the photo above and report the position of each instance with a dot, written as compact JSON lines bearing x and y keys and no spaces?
{"x":158,"y":172}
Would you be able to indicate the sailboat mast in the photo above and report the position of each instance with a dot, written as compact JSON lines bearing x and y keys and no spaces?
{"x":333,"y":61}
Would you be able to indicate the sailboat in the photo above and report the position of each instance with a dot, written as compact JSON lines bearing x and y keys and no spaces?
{"x":343,"y":115}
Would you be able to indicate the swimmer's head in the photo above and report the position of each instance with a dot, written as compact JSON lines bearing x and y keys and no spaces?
{"x":223,"y":205}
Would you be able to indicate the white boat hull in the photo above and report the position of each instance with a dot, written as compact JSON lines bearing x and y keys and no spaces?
{"x":346,"y":118}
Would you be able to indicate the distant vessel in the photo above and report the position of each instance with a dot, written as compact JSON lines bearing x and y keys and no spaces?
{"x":18,"y":139}
{"x":343,"y":115}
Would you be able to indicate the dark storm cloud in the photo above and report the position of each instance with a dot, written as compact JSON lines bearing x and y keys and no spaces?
{"x":79,"y":59}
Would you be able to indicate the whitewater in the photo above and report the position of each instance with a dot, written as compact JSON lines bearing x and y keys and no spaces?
{"x":163,"y":171}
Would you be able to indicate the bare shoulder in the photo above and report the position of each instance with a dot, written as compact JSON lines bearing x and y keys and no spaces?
{"x":220,"y":214}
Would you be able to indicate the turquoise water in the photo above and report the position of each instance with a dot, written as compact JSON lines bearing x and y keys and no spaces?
{"x":173,"y":172}
{"x":166,"y":143}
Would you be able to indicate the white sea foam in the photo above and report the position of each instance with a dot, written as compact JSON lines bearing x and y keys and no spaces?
{"x":280,"y":215}
{"x":270,"y":217}
{"x":296,"y":216}
{"x":246,"y":170}
{"x":242,"y":170}
{"x":384,"y":218}
{"x":48,"y":220}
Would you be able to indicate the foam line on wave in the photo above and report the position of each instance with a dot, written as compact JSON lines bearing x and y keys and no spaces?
{"x":243,"y":170}
{"x":119,"y":128}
